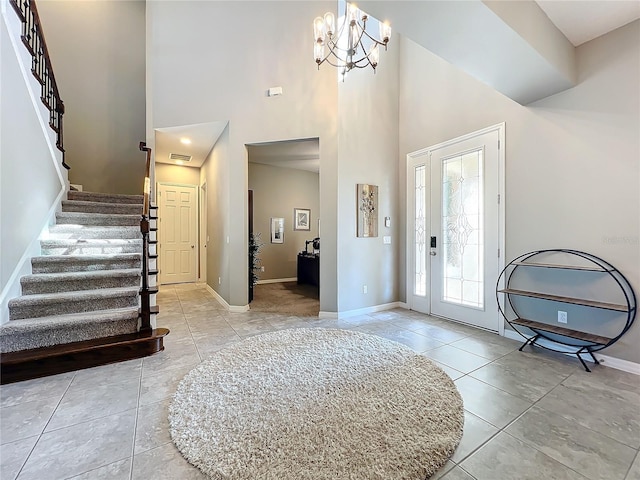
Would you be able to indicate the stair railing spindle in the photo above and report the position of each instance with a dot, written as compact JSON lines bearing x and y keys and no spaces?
{"x":33,"y":39}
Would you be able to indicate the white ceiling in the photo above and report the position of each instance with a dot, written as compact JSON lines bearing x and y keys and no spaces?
{"x":203,"y":137}
{"x":584,"y":20}
{"x":299,"y":154}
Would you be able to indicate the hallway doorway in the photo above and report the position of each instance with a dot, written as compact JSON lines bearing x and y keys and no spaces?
{"x":284,"y":179}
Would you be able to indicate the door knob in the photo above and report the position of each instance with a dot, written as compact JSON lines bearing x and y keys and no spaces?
{"x":432,"y":253}
{"x":192,"y":246}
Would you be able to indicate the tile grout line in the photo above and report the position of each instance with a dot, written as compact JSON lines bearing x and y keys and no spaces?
{"x":503,"y":430}
{"x":45,"y":426}
{"x":135,"y":423}
{"x":637,"y":457}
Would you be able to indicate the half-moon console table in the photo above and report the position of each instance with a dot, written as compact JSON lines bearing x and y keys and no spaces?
{"x":601,"y":300}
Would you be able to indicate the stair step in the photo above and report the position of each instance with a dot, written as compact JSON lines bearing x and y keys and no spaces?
{"x":83,"y":263}
{"x":51,"y":330}
{"x":93,"y":232}
{"x":40,"y":362}
{"x":42,"y":305}
{"x":75,"y":281}
{"x":96,"y":219}
{"x":101,"y":207}
{"x":90,"y":246}
{"x":105,"y":197}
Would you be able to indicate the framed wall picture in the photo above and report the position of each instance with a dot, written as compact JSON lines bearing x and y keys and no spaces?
{"x":301,"y":219}
{"x":277,"y":230}
{"x":367,"y":204}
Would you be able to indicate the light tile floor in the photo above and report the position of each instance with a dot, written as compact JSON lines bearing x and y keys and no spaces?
{"x":529,"y":415}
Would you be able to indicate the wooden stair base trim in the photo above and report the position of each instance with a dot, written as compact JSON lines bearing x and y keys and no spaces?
{"x":42,"y":362}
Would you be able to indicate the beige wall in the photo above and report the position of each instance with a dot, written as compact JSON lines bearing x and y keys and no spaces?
{"x":276,"y":192}
{"x":214,"y":173}
{"x":98,"y":54}
{"x":166,"y":173}
{"x":367,"y":153}
{"x":230,"y":85}
{"x":572,"y":160}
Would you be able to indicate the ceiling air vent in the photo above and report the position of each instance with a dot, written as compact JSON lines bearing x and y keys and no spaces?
{"x":182,"y":158}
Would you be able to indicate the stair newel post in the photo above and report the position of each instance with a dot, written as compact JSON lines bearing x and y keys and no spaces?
{"x":145,"y":294}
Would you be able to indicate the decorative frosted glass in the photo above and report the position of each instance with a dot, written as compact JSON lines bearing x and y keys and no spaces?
{"x":420,"y":283}
{"x":462,"y":234}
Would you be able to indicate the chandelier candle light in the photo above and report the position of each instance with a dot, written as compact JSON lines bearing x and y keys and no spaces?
{"x":342,"y":49}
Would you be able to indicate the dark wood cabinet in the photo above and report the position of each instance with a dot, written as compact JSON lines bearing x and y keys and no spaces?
{"x":309,"y":269}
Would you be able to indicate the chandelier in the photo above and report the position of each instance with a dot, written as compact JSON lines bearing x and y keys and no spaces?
{"x":344,"y":48}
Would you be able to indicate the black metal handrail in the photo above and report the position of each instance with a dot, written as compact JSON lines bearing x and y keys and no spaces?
{"x":33,"y":39}
{"x":145,"y":293}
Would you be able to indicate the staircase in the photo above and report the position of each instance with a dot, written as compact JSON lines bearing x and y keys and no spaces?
{"x":80,"y":305}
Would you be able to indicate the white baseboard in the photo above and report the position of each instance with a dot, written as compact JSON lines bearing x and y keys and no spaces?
{"x":223,"y":302}
{"x":277,"y":280}
{"x":239,"y":308}
{"x":607,"y":361}
{"x":619,"y":363}
{"x":362,"y":311}
{"x":372,"y":309}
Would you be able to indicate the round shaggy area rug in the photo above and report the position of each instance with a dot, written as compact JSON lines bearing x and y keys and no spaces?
{"x":317,"y":404}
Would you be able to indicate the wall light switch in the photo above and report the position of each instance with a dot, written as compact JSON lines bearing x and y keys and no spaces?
{"x":386,"y":240}
{"x":387,"y":222}
{"x":275,"y":91}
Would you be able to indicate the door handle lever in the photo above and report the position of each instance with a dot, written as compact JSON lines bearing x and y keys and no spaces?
{"x":432,"y":253}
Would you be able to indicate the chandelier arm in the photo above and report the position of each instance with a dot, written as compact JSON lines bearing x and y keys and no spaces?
{"x":374,"y":40}
{"x":358,"y":64}
{"x":338,"y":58}
{"x":326,"y":59}
{"x":336,"y":47}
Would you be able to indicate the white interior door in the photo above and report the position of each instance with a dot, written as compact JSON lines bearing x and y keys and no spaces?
{"x":178,"y":233}
{"x":454,"y":227}
{"x":202,"y":275}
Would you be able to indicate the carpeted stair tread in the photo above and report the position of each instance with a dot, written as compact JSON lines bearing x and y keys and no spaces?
{"x":45,"y":304}
{"x":73,"y":281}
{"x":101,"y":207}
{"x":38,"y":332}
{"x":85,"y":287}
{"x":105,"y":197}
{"x":66,"y":263}
{"x":96,"y":219}
{"x":94,"y":232}
{"x":75,"y":246}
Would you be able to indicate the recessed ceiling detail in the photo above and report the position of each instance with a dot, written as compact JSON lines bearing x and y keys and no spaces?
{"x":170,"y":148}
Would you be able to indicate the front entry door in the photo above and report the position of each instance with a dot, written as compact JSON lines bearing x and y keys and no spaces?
{"x":178,"y":233}
{"x":454,"y":229}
